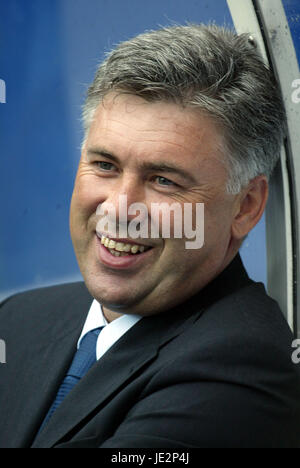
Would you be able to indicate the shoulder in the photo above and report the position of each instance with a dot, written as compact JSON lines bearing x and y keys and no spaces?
{"x":43,"y":303}
{"x":246,"y":325}
{"x":243,"y":339}
{"x":248,"y":310}
{"x":55,"y":292}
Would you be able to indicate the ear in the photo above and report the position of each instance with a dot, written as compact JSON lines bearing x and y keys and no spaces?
{"x":250,"y":206}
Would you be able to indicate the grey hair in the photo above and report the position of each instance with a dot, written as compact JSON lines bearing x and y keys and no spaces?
{"x":209,"y":68}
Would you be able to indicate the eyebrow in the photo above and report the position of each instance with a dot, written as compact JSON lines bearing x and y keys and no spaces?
{"x":148,"y":166}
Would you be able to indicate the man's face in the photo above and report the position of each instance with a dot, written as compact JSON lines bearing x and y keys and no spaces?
{"x":152,"y":153}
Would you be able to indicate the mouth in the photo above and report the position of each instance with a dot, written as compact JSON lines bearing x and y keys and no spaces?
{"x":120,"y":248}
{"x":122,"y":253}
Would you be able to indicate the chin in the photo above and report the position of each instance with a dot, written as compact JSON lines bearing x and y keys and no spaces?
{"x":109,"y":296}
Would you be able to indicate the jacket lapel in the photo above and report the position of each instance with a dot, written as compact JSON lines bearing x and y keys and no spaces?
{"x":134,"y":350}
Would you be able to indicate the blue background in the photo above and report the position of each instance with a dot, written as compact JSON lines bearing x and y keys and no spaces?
{"x":49,"y":50}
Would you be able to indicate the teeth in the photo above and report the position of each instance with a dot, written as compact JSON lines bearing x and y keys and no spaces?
{"x":113,"y":252}
{"x":119,"y":248}
{"x":112,"y":244}
{"x":134,"y":249}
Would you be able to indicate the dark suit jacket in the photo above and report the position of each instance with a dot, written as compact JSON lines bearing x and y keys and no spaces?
{"x":215,"y":371}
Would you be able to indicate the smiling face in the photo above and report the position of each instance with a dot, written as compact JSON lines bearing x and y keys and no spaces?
{"x":152,"y":153}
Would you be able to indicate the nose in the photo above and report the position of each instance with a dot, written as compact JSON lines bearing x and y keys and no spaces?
{"x":129,"y":187}
{"x":124,"y":202}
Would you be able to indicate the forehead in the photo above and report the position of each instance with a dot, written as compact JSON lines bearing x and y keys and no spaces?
{"x":130,"y":126}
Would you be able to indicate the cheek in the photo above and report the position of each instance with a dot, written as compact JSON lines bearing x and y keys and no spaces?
{"x":217,"y":223}
{"x":87,"y":194}
{"x":84,"y":204}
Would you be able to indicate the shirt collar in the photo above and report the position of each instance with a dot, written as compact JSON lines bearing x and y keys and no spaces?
{"x":111,"y":332}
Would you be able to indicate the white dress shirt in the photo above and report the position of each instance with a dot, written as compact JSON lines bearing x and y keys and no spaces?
{"x":111,"y":332}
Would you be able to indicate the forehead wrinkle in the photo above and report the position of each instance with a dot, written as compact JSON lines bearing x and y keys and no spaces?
{"x":138,"y":139}
{"x":178,"y":127}
{"x":172,"y":132}
{"x":185,"y":144}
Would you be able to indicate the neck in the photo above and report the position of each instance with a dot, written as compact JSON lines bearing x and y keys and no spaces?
{"x":110,"y":315}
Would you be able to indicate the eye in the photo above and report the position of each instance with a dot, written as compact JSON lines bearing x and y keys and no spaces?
{"x":164,"y":182}
{"x":105,"y":166}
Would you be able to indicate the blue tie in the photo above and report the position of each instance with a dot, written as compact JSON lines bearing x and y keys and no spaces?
{"x":83,"y":360}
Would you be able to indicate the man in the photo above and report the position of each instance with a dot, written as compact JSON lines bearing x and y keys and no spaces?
{"x":189,"y":351}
